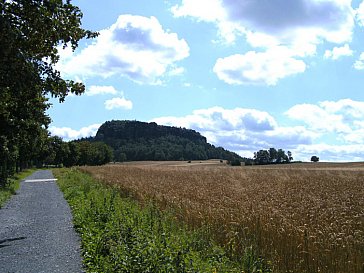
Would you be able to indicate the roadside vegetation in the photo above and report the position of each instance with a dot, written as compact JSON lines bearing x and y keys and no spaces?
{"x":301,"y":217}
{"x":12,"y":185}
{"x":120,"y":235}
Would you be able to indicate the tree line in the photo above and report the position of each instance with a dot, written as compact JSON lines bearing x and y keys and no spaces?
{"x":272,"y":156}
{"x":30,"y":33}
{"x":74,"y":153}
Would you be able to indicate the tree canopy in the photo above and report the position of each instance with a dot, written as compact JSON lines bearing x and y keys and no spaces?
{"x":315,"y":158}
{"x":31,"y":32}
{"x":272,"y":156}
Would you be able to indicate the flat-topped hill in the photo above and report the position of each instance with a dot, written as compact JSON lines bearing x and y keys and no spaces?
{"x":136,"y":140}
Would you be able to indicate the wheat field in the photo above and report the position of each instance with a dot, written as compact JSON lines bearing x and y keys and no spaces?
{"x":300,"y":217}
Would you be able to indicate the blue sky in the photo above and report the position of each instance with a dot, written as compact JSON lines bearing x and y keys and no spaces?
{"x":248,"y":75}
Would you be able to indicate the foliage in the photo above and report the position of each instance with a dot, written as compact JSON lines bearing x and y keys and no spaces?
{"x":58,"y":153}
{"x":315,"y":158}
{"x":235,"y":162}
{"x":120,"y":236}
{"x":135,"y":140}
{"x":31,"y":31}
{"x":272,"y":156}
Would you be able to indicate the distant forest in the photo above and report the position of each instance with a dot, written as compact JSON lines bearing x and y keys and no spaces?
{"x":135,"y":140}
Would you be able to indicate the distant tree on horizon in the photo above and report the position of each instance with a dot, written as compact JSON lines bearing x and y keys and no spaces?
{"x":315,"y":158}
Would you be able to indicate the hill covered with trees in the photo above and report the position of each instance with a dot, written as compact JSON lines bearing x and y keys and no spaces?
{"x":136,"y":140}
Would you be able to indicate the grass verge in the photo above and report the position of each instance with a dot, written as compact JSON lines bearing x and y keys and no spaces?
{"x":13,"y":185}
{"x":120,"y":236}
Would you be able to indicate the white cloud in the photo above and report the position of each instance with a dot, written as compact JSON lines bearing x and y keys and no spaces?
{"x":258,"y":67}
{"x":136,"y":47}
{"x":360,"y":14}
{"x":347,"y":107}
{"x":68,"y":134}
{"x":248,"y":130}
{"x":335,"y":153}
{"x":299,"y":25}
{"x":307,"y":20}
{"x":119,"y":102}
{"x":94,"y":90}
{"x":343,"y":117}
{"x":359,"y":64}
{"x":317,"y":118}
{"x":338,"y":52}
{"x":241,"y":130}
{"x":204,"y":10}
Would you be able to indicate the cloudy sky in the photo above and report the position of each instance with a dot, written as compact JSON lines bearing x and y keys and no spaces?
{"x":246,"y":74}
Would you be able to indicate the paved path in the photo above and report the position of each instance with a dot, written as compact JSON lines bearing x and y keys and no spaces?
{"x":36,"y":231}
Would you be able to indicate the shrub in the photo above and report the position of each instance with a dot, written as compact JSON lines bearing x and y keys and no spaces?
{"x":235,"y":162}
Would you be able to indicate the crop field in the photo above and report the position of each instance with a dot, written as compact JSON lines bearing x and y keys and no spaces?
{"x":300,"y":217}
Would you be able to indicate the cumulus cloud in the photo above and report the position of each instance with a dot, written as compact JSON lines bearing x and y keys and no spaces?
{"x":241,"y":130}
{"x":204,"y":10}
{"x":338,"y":52}
{"x":248,"y":130}
{"x":69,"y":134}
{"x":258,"y":67}
{"x":318,"y":118}
{"x":359,"y":64}
{"x":119,"y":102}
{"x":343,"y":117}
{"x":360,"y":14}
{"x":94,"y":90}
{"x":136,"y":47}
{"x":331,"y":20}
{"x":329,"y":152}
{"x":298,"y":25}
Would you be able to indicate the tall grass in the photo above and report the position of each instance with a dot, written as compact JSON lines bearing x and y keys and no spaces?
{"x":303,"y":220}
{"x":120,"y":236}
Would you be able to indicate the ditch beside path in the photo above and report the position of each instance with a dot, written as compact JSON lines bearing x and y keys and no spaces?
{"x":36,"y":230}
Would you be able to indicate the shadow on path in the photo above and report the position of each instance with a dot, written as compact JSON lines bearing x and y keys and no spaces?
{"x":36,"y":230}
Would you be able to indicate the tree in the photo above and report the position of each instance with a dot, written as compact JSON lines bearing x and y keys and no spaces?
{"x":30,"y":33}
{"x":72,"y":158}
{"x":262,"y":157}
{"x":315,"y":158}
{"x":273,"y":155}
{"x":281,"y":156}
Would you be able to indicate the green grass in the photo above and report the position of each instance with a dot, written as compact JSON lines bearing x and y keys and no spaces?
{"x":13,"y":185}
{"x":118,"y":235}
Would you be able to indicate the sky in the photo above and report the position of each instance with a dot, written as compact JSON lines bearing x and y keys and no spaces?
{"x":246,"y":74}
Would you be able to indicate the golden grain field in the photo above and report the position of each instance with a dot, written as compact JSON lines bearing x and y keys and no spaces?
{"x":301,"y":217}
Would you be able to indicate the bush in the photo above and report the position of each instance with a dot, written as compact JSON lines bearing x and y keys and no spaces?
{"x":235,"y":162}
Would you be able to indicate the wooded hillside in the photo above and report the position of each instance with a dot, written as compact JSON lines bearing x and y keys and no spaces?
{"x":135,"y":140}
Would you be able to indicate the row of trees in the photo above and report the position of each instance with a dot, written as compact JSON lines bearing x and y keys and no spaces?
{"x":272,"y":156}
{"x":30,"y":33}
{"x":73,"y":153}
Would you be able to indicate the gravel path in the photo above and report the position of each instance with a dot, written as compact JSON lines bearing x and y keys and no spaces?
{"x":36,"y":231}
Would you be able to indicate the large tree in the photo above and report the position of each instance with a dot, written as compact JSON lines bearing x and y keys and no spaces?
{"x":31,"y":33}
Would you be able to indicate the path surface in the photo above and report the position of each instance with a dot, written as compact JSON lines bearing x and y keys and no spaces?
{"x":36,"y":231}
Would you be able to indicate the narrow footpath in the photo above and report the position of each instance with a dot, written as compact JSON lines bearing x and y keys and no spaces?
{"x":36,"y":231}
